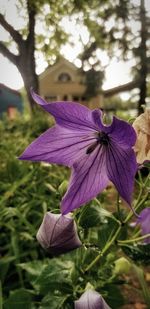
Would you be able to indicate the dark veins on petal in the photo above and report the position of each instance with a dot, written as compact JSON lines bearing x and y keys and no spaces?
{"x":101,"y":138}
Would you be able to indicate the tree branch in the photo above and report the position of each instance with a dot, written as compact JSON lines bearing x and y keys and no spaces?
{"x":126,"y":87}
{"x":6,"y":53}
{"x":14,"y":33}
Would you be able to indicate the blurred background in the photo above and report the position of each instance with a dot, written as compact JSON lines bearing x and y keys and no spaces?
{"x":97,"y":51}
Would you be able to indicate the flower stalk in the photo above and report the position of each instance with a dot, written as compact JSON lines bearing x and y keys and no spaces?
{"x":139,"y":200}
{"x":107,"y":246}
{"x":120,"y":242}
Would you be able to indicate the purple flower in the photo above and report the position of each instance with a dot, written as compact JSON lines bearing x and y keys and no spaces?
{"x":91,"y":300}
{"x":144,"y":221}
{"x":57,"y":234}
{"x":96,"y":153}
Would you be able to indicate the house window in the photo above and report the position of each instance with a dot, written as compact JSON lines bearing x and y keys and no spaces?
{"x":51,"y":98}
{"x":64,"y":77}
{"x":76,"y":98}
{"x":65,"y":97}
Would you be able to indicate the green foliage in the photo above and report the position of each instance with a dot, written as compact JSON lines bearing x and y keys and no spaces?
{"x":27,"y":192}
{"x":29,"y":276}
{"x":93,"y":82}
{"x":19,"y":298}
{"x":138,"y":253}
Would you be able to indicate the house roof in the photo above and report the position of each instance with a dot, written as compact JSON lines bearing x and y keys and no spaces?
{"x":2,"y":86}
{"x":60,"y":61}
{"x":10,"y":98}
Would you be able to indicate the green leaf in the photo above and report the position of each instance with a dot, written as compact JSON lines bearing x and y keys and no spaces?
{"x":34,"y":268}
{"x":4,"y":266}
{"x":113,"y":298}
{"x":53,"y":301}
{"x":138,"y":253}
{"x":55,"y":276}
{"x":19,"y":299}
{"x":106,"y":232}
{"x":145,"y":289}
{"x":92,"y":215}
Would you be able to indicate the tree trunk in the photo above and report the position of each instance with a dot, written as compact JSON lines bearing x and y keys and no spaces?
{"x":143,"y":59}
{"x":30,"y":82}
{"x":26,"y":66}
{"x":24,"y":60}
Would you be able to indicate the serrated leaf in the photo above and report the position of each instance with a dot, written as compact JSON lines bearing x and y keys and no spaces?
{"x":92,"y":215}
{"x":138,"y":253}
{"x":55,"y":276}
{"x":53,"y":301}
{"x":34,"y":268}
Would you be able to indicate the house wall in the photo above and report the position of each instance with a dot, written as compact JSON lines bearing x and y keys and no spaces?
{"x":54,"y":90}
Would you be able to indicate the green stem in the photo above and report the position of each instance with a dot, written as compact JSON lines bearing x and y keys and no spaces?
{"x":137,"y":205}
{"x":140,"y":177}
{"x":118,"y":208}
{"x":104,"y":250}
{"x":15,"y":248}
{"x":139,"y":202}
{"x":133,"y":240}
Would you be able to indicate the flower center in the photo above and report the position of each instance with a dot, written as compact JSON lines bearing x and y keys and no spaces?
{"x":101,"y":138}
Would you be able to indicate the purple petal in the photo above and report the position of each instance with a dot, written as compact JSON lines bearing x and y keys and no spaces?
{"x":89,"y":178}
{"x":144,"y":221}
{"x":58,"y":145}
{"x":119,"y":131}
{"x":58,"y":234}
{"x":91,"y":299}
{"x":69,"y":114}
{"x":121,"y":170}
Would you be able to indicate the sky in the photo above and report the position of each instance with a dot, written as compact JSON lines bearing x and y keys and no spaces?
{"x":116,"y":73}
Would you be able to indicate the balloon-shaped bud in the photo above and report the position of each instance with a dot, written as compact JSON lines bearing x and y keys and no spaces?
{"x":58,"y":234}
{"x":122,"y":266}
{"x":91,"y":299}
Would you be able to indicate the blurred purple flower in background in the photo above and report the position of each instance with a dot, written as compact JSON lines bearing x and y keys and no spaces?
{"x":144,"y":222}
{"x":58,"y":234}
{"x":97,"y":153}
{"x":91,"y":299}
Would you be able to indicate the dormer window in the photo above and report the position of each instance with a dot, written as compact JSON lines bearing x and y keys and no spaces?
{"x":64,"y":77}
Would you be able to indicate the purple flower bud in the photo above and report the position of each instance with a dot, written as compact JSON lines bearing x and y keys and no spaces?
{"x":144,"y":221}
{"x":91,"y":299}
{"x":58,"y":234}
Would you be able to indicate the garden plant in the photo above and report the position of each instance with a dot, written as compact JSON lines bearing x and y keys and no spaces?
{"x":78,"y":243}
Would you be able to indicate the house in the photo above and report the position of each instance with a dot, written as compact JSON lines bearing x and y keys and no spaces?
{"x":64,"y":82}
{"x":10,"y":101}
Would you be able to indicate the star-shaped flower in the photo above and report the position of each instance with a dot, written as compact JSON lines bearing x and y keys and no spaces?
{"x":96,"y":153}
